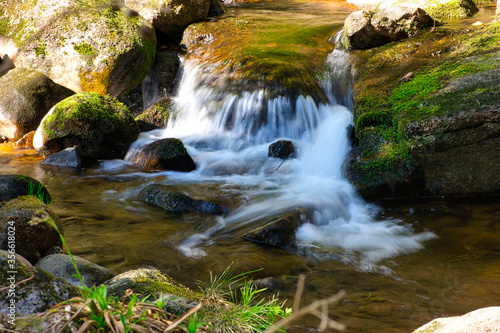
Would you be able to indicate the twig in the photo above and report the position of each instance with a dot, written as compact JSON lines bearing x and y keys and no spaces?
{"x":298,"y":293}
{"x":17,"y":283}
{"x":76,"y":314}
{"x":184,"y":316}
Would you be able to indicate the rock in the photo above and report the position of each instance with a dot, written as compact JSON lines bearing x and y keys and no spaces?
{"x":26,"y":141}
{"x":99,"y":126}
{"x":61,"y":266}
{"x":216,"y":8}
{"x":279,"y":232}
{"x":165,"y":154}
{"x":171,"y":17}
{"x":484,"y":320}
{"x":367,"y":29}
{"x":163,"y":196}
{"x":92,"y":47}
{"x":20,"y":260}
{"x":282,"y":149}
{"x":13,"y":186}
{"x":32,"y":238}
{"x":38,"y":294}
{"x":68,"y":157}
{"x":25,"y":97}
{"x":442,"y":10}
{"x":145,"y":281}
{"x":156,"y":116}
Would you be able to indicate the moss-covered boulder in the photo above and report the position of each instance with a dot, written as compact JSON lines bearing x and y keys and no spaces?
{"x":171,"y":16}
{"x":156,"y":116}
{"x":61,"y":266}
{"x":279,"y":232}
{"x":165,"y":154}
{"x":42,"y":291}
{"x":100,"y":126}
{"x":28,"y":217}
{"x":427,"y":116}
{"x":85,"y":45}
{"x":151,"y":282}
{"x":173,"y":201}
{"x":13,"y":186}
{"x":442,"y":10}
{"x":25,"y":97}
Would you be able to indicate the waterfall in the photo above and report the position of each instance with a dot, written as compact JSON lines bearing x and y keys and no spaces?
{"x":228,"y":135}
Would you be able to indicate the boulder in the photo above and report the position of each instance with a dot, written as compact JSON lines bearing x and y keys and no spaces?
{"x":68,"y":157}
{"x":366,"y":29}
{"x":26,"y":141}
{"x":41,"y":292}
{"x":147,"y":281}
{"x":13,"y":186}
{"x":281,"y":149}
{"x":25,"y":97}
{"x":172,"y":201}
{"x":99,"y":126}
{"x":442,"y":10}
{"x":156,"y":116}
{"x":216,"y":8}
{"x":479,"y":321}
{"x":20,"y":260}
{"x":171,"y":17}
{"x":165,"y":154}
{"x":279,"y":232}
{"x":27,"y":217}
{"x":61,"y":266}
{"x":83,"y":45}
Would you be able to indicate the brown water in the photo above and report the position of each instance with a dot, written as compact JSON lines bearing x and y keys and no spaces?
{"x":455,"y":273}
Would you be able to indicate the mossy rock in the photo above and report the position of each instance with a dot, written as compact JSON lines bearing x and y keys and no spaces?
{"x":16,"y":185}
{"x":156,"y":116}
{"x":165,"y":154}
{"x":25,"y":98}
{"x":152,"y":283}
{"x":83,"y":45}
{"x":422,"y":103}
{"x":100,"y":126}
{"x":34,"y":236}
{"x":173,"y":201}
{"x":38,"y":294}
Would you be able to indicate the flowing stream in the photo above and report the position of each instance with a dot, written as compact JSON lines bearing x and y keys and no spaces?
{"x":401,"y":263}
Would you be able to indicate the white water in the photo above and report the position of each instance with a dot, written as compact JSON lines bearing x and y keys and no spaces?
{"x":228,"y":137}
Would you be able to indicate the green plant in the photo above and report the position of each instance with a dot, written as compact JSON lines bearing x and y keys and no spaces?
{"x":193,"y":324}
{"x":37,"y":190}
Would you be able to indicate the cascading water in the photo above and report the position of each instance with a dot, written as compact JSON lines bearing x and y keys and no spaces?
{"x":228,"y":137}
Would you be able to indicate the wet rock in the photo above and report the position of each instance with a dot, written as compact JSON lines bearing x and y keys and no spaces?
{"x":216,"y":8}
{"x":28,"y":216}
{"x":25,"y":97}
{"x":99,"y":126}
{"x":61,"y":266}
{"x":480,"y":321}
{"x":26,"y":141}
{"x":84,"y":45}
{"x":68,"y":157}
{"x":37,"y":294}
{"x":282,"y":149}
{"x":367,"y":29}
{"x":13,"y":186}
{"x":146,"y":281}
{"x":173,"y":16}
{"x":20,"y":260}
{"x":279,"y":232}
{"x":165,"y":197}
{"x":165,"y":154}
{"x":156,"y":116}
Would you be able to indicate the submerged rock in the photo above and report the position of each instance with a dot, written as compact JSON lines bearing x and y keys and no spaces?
{"x":61,"y":266}
{"x":165,"y":154}
{"x":367,"y":29}
{"x":25,"y":98}
{"x":41,"y":292}
{"x":152,"y":282}
{"x":279,"y":232}
{"x":99,"y":126}
{"x":68,"y":157}
{"x":27,"y":215}
{"x":13,"y":186}
{"x":83,"y":45}
{"x":165,"y":197}
{"x":281,"y":149}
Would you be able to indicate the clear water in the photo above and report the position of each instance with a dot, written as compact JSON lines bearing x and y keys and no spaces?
{"x":401,"y":263}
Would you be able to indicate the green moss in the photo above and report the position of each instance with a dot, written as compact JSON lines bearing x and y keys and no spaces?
{"x":85,"y":49}
{"x":4,"y":27}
